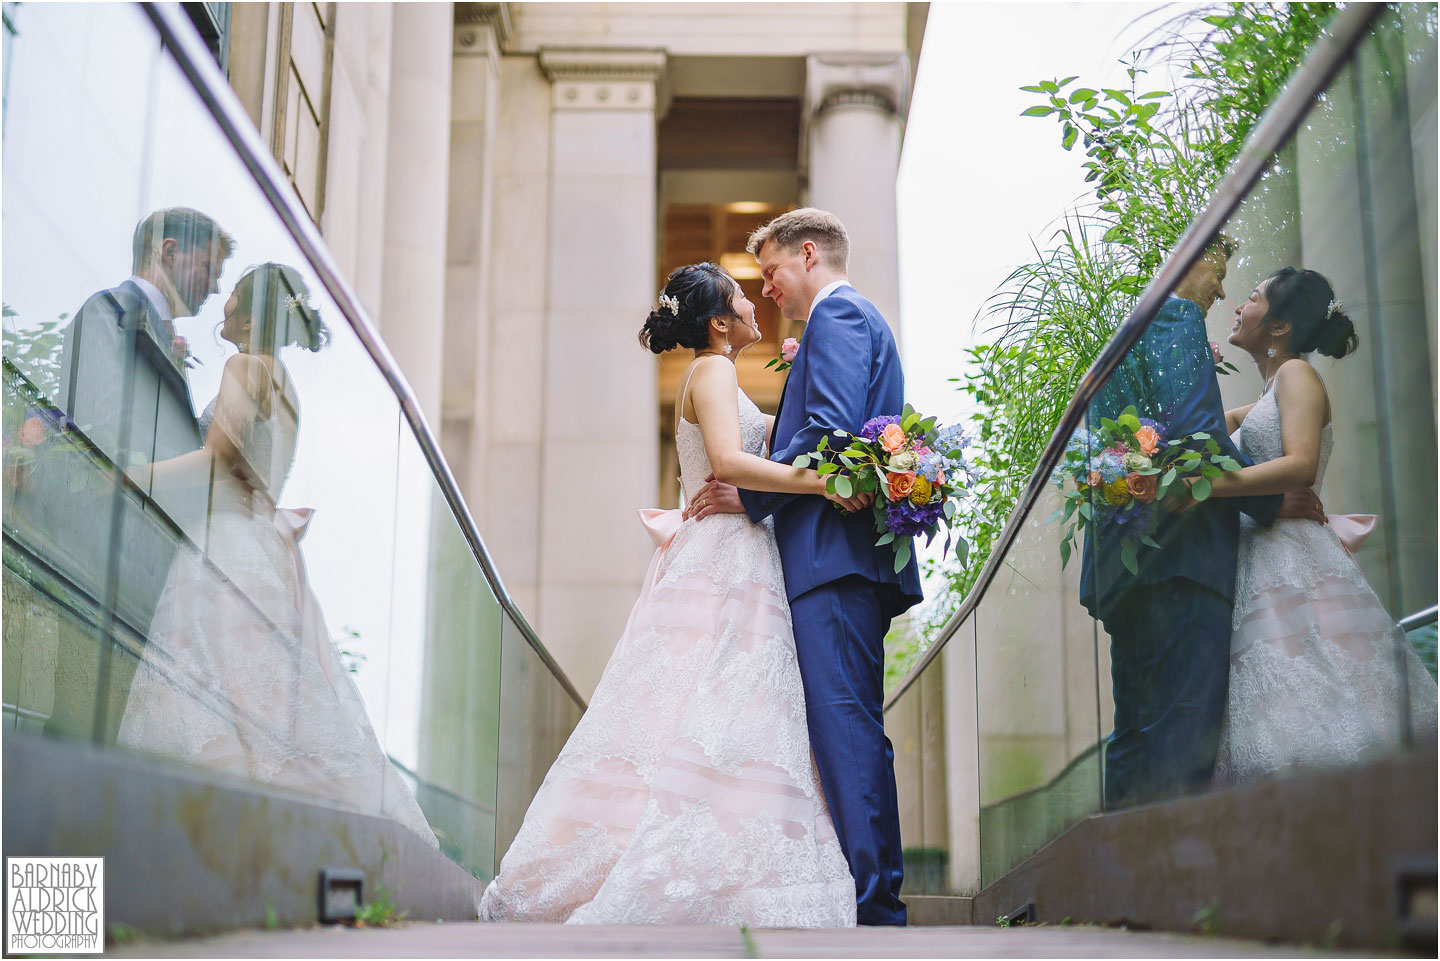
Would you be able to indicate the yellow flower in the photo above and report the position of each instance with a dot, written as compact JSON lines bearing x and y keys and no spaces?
{"x":920,"y":494}
{"x":1117,"y":492}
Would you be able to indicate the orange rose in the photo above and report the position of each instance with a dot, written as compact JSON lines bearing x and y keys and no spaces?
{"x":1148,"y":439}
{"x":1143,"y":486}
{"x":892,"y":438}
{"x":901,"y":485}
{"x":1095,"y":479}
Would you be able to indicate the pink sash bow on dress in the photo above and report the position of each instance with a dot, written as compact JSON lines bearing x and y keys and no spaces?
{"x":1352,"y":529}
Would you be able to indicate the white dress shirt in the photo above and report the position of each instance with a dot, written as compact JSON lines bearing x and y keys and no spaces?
{"x":825,"y":291}
{"x":157,"y":299}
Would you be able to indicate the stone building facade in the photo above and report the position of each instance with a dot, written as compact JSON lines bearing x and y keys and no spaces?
{"x":507,"y":184}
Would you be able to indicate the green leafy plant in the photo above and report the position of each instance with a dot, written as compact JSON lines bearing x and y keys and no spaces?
{"x":381,"y":912}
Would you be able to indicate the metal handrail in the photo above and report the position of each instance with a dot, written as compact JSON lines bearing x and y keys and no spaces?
{"x":1344,"y":31}
{"x":194,"y":60}
{"x":1418,"y":619}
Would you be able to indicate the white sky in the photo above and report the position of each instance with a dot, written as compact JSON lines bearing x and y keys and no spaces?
{"x":978,"y":181}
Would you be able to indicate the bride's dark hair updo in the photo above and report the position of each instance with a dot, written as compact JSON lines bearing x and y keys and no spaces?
{"x":692,"y":296}
{"x":1317,"y":321}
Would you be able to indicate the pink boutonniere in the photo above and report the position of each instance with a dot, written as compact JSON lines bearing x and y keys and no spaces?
{"x":1222,"y":366}
{"x":788,"y":350}
{"x":180,"y":353}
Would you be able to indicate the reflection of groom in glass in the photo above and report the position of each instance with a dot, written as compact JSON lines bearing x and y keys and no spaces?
{"x":123,"y":384}
{"x":122,"y":370}
{"x":1169,"y":625}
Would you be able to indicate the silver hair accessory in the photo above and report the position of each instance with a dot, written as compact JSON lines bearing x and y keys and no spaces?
{"x":296,"y":300}
{"x":1334,"y":306}
{"x":671,"y":303}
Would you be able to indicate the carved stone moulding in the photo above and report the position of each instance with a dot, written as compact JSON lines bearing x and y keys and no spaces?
{"x":878,"y":81}
{"x":584,"y":79}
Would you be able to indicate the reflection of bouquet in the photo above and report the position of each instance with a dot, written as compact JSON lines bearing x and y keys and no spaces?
{"x":918,"y":468}
{"x":1119,"y":474}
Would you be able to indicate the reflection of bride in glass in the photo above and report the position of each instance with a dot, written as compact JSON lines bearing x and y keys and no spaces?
{"x":239,"y":673}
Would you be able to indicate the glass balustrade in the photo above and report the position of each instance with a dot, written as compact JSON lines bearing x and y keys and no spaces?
{"x":1130,"y":649}
{"x":225,"y":548}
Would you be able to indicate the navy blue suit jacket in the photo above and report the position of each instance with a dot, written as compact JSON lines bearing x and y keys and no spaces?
{"x":846,"y":372}
{"x":1169,"y":376}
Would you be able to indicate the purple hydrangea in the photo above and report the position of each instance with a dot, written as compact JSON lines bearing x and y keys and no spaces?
{"x":875,"y":425}
{"x":905,"y":519}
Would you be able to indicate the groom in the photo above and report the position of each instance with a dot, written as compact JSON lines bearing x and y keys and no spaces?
{"x":843,"y":590}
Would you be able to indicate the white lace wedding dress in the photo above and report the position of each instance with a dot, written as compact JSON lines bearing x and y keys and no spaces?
{"x":1315,"y":659}
{"x":239,"y":673}
{"x":687,"y":793}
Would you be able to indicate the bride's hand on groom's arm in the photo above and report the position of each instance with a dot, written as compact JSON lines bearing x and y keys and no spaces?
{"x":851,"y":504}
{"x":718,"y":497}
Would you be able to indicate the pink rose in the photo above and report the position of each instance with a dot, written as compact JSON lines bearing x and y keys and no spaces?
{"x":789,"y":349}
{"x":892,"y":438}
{"x":1148,"y":438}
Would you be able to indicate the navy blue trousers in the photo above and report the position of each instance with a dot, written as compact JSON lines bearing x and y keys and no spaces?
{"x":839,"y":640}
{"x":1170,"y":666}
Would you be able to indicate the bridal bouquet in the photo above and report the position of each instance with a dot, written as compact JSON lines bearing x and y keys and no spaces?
{"x":917,"y":466}
{"x":1119,"y":474}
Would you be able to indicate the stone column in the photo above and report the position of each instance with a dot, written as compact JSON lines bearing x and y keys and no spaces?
{"x":599,"y":416}
{"x":854,"y":105}
{"x":480,"y":29}
{"x":412,"y":302}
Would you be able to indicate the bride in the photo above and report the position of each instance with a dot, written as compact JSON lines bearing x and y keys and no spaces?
{"x":1315,"y":659}
{"x":239,"y":673}
{"x":686,"y":794}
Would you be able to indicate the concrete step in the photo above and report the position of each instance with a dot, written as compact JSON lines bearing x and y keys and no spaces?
{"x":478,"y":939}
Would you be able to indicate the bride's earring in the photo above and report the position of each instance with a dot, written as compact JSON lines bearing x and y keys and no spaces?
{"x":727,"y":348}
{"x":1270,"y":352}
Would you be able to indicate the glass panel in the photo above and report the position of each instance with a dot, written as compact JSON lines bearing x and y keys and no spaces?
{"x":934,"y":813}
{"x":78,"y":76}
{"x":526,"y":698}
{"x":537,"y":716}
{"x":1248,"y":644}
{"x":1036,"y":677}
{"x":222,"y":546}
{"x":264,"y":491}
{"x":903,"y":728}
{"x":442,"y":675}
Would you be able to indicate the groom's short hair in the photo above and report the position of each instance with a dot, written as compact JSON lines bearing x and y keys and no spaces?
{"x":186,"y":225}
{"x":790,"y":230}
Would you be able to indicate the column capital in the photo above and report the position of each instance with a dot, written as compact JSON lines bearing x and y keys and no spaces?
{"x":474,"y":20}
{"x":609,"y":79}
{"x":877,"y":80}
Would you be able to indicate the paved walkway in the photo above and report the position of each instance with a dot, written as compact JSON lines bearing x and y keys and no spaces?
{"x":475,"y":939}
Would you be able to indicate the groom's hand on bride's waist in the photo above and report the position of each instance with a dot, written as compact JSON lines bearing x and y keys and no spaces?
{"x":716,"y":497}
{"x":1304,"y":504}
